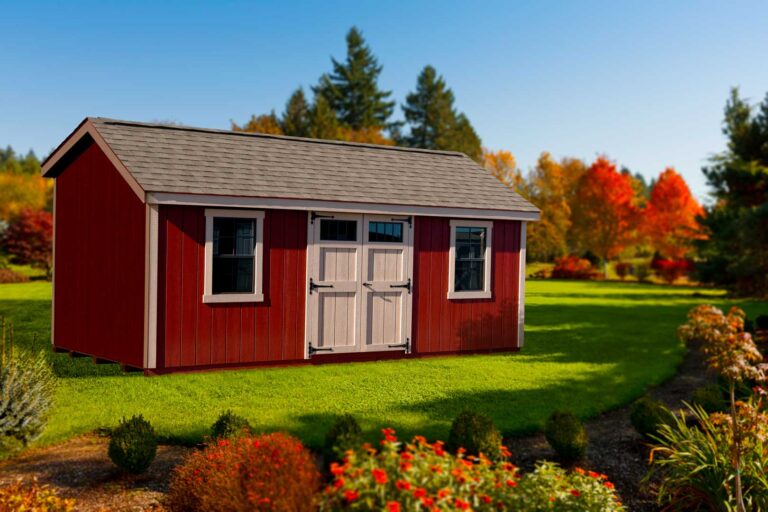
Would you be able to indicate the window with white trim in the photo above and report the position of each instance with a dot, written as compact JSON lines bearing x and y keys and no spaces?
{"x":469,"y":260}
{"x":233,"y":256}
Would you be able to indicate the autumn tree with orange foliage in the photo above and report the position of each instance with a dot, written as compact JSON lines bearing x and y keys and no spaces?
{"x":503,"y":166}
{"x":604,"y":210}
{"x":669,"y":221}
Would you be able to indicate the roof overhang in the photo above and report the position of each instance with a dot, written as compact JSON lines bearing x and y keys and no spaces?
{"x":84,"y":135}
{"x":214,"y":201}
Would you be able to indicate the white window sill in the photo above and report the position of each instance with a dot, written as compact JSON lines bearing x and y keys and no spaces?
{"x":470,"y":295}
{"x":233,"y":297}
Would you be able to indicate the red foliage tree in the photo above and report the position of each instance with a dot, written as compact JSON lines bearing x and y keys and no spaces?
{"x":29,"y":239}
{"x":604,"y":210}
{"x":669,"y":221}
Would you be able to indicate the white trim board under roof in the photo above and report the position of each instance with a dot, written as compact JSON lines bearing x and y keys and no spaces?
{"x":164,"y":159}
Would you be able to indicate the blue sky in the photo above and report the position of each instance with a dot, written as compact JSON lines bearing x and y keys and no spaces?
{"x":643,"y":82}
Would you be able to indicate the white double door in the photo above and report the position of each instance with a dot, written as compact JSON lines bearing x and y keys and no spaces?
{"x":360,"y":283}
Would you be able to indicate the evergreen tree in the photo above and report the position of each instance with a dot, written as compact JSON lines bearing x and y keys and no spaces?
{"x":432,"y":120}
{"x":352,"y":90}
{"x":735,"y":251}
{"x":322,"y":120}
{"x":295,"y":119}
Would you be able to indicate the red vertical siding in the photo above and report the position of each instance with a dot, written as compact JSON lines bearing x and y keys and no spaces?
{"x":99,"y":269}
{"x":198,"y":334}
{"x":443,"y":325}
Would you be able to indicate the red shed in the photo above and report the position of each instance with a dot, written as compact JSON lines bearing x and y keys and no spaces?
{"x":182,"y":248}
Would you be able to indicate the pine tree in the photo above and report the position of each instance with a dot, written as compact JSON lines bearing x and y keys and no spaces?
{"x":322,"y":120}
{"x":433,"y":121}
{"x":295,"y":119}
{"x":352,"y":90}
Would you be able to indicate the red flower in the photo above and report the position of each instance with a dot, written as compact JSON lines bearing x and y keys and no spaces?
{"x":403,"y":485}
{"x":436,"y":469}
{"x":338,"y":483}
{"x":575,"y":492}
{"x":461,"y":504}
{"x":594,"y":475}
{"x":336,"y":469}
{"x":405,"y":466}
{"x":427,"y":502}
{"x":608,"y":484}
{"x":406,"y":456}
{"x":379,"y":475}
{"x":486,"y":499}
{"x":389,"y":434}
{"x":442,"y":493}
{"x":511,"y":483}
{"x":419,"y":492}
{"x":393,"y":506}
{"x":223,"y":442}
{"x":351,"y":495}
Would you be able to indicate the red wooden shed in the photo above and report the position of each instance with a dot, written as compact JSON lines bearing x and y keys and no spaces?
{"x":180,"y":248}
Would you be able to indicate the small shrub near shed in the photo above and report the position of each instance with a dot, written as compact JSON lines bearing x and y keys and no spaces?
{"x":648,"y":415}
{"x":133,"y":445}
{"x":566,"y":435}
{"x":266,"y":472}
{"x":229,"y":425}
{"x":709,"y":398}
{"x":573,"y":267}
{"x":476,"y":434}
{"x":345,"y":434}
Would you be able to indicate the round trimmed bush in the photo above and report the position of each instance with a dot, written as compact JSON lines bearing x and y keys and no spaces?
{"x":566,"y":435}
{"x":229,"y":425}
{"x":245,"y":473}
{"x":647,"y":415}
{"x":476,"y":433}
{"x":710,"y":398}
{"x":133,"y":445}
{"x":345,"y":434}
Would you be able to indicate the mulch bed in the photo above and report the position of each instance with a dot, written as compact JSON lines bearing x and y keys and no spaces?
{"x":80,"y":469}
{"x":615,"y":448}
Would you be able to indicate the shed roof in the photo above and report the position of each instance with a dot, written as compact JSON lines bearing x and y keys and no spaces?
{"x":179,"y":159}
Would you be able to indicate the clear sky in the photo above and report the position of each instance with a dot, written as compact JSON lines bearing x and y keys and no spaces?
{"x":643,"y":82}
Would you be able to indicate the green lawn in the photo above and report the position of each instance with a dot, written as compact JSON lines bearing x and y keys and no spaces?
{"x":590,"y":346}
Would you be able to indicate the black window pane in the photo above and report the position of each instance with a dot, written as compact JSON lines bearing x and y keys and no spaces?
{"x":234,"y":241}
{"x":385,"y":232}
{"x":332,"y":230}
{"x":470,"y":259}
{"x":232,"y":275}
{"x":469,"y":276}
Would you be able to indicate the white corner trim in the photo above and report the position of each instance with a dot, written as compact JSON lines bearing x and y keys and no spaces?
{"x":150,"y":350}
{"x":214,"y":201}
{"x":521,"y":289}
{"x":307,"y":276}
{"x":258,"y":254}
{"x":486,"y":292}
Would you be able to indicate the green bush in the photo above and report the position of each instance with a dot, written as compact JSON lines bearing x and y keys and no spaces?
{"x":693,"y":461}
{"x":345,"y":434}
{"x":133,"y":445}
{"x":27,"y":387}
{"x":566,"y":435}
{"x":643,"y":272}
{"x":229,"y":425}
{"x":476,"y":433}
{"x":647,"y":415}
{"x":710,"y":398}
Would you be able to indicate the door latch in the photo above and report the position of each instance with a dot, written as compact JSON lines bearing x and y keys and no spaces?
{"x":313,"y":286}
{"x":407,"y":285}
{"x":312,"y":349}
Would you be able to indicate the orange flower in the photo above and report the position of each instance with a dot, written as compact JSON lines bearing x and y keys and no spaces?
{"x":511,"y":483}
{"x":403,"y":485}
{"x":223,"y":442}
{"x":351,"y":495}
{"x":579,"y":470}
{"x":379,"y":475}
{"x":336,"y":469}
{"x":608,"y":484}
{"x":405,"y":466}
{"x":393,"y":506}
{"x":442,"y":493}
{"x":594,"y":475}
{"x":436,"y":469}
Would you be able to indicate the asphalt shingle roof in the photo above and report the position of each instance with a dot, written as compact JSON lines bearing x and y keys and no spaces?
{"x":178,"y":159}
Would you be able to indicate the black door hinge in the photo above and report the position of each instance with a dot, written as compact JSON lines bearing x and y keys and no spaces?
{"x":313,"y":286}
{"x":314,"y":216}
{"x":406,"y":345}
{"x":313,"y":350}
{"x":407,"y":285}
{"x":408,"y":219}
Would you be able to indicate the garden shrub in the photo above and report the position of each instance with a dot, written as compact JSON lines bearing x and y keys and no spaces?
{"x":229,"y":425}
{"x":642,"y":272}
{"x":266,"y":472}
{"x":11,"y":276}
{"x":710,"y":398}
{"x":476,"y":434}
{"x":623,"y":269}
{"x":573,"y":267}
{"x":133,"y":445}
{"x":566,"y":435}
{"x":671,"y":270}
{"x":647,"y":415}
{"x":695,"y":464}
{"x":345,"y":434}
{"x":20,"y":496}
{"x":27,"y":387}
{"x":423,"y":476}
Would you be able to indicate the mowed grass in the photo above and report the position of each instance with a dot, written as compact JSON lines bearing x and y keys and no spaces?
{"x":590,"y":347}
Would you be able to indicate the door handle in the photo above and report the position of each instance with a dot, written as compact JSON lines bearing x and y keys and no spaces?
{"x":367,"y":284}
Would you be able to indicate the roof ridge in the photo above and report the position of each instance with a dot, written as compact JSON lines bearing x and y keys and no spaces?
{"x":218,"y":131}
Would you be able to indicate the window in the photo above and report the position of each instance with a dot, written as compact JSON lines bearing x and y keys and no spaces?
{"x":338,"y":230}
{"x":385,"y":232}
{"x":469,"y":271}
{"x":233,"y":256}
